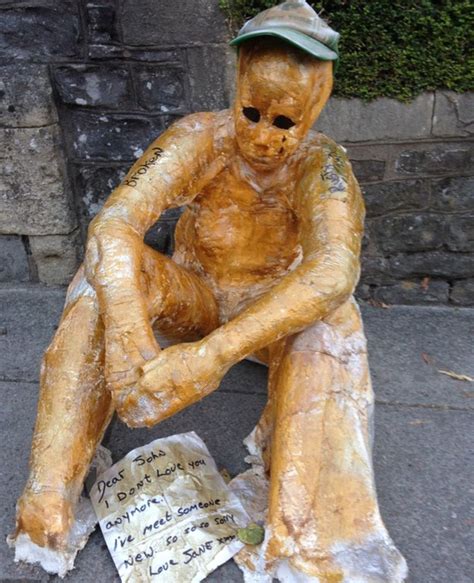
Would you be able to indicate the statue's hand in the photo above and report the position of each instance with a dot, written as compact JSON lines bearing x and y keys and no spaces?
{"x":127,"y":350}
{"x":129,"y":339}
{"x":176,"y":378}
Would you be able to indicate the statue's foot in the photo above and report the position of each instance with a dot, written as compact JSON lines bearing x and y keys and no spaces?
{"x":46,"y":517}
{"x":374,"y":561}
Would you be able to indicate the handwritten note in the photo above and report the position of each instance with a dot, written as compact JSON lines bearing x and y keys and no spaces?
{"x":166,"y":513}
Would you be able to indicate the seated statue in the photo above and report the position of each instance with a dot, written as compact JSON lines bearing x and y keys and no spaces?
{"x":266,"y":262}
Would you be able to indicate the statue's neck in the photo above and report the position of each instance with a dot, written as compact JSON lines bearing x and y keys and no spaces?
{"x":260,"y":179}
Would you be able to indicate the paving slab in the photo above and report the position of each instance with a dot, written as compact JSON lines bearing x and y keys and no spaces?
{"x":401,"y":337}
{"x":424,"y":468}
{"x":29,"y":315}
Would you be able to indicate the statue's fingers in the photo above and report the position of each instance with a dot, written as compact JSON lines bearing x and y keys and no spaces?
{"x":140,"y":340}
{"x":155,"y":381}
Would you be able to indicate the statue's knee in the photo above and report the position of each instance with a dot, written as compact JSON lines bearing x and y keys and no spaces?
{"x":338,"y":341}
{"x":79,"y":288}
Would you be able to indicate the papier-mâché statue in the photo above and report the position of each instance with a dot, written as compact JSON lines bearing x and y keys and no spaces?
{"x":266,"y":262}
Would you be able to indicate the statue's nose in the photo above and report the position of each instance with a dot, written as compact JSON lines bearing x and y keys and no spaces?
{"x":262,"y":138}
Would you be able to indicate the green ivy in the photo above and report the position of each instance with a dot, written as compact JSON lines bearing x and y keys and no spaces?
{"x":391,"y":48}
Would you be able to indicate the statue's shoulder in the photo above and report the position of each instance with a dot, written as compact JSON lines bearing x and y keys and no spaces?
{"x":318,"y":144}
{"x":216,"y":126}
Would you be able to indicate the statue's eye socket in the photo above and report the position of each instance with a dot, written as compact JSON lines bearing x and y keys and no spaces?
{"x":283,"y":122}
{"x":252,"y":114}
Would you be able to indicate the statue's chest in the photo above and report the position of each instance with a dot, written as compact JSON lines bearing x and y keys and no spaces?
{"x":230,"y":213}
{"x":232,"y":228}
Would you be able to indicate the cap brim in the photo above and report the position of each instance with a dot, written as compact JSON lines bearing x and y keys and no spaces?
{"x":295,"y":38}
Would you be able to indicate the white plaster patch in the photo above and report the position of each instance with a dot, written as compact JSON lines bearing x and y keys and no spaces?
{"x":376,"y":560}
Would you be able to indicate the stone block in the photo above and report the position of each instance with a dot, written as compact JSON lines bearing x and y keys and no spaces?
{"x":40,"y":31}
{"x":375,"y":270}
{"x":13,"y":259}
{"x":112,"y":137}
{"x":114,"y":51}
{"x":460,"y":233}
{"x":211,"y":75}
{"x":453,"y":194}
{"x":26,"y":96}
{"x":368,"y":170}
{"x":353,"y":120}
{"x":453,"y":114}
{"x":462,"y":292}
{"x":101,"y":52}
{"x":102,"y":22}
{"x":393,"y":196}
{"x":161,"y":88}
{"x":445,"y":159}
{"x":413,"y":293}
{"x":363,"y":291}
{"x":33,"y":197}
{"x":147,"y":22}
{"x":432,"y":263}
{"x":408,"y":233}
{"x":56,"y":257}
{"x":108,"y":86}
{"x":95,"y":184}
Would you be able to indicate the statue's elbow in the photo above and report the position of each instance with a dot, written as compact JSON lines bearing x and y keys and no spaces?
{"x":334,"y":285}
{"x":349,"y":278}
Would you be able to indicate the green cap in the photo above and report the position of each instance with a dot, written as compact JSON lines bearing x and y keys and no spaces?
{"x":297,"y":23}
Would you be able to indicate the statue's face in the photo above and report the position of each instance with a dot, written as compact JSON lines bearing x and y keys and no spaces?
{"x":279,"y":96}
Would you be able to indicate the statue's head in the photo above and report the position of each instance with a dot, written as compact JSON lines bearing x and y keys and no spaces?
{"x":285,"y":77}
{"x":280,"y":94}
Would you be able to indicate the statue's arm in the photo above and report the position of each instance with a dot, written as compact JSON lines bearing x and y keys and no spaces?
{"x":331,"y":213}
{"x":170,"y":173}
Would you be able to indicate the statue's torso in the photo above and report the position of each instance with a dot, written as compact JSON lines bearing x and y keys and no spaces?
{"x":241,"y":233}
{"x":241,"y":237}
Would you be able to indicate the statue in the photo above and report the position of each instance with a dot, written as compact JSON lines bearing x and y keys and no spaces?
{"x":266,"y":262}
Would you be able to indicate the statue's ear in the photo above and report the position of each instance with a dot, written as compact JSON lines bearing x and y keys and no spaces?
{"x":323,"y":83}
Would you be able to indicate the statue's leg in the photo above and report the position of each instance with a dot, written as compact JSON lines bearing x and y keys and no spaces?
{"x":323,"y":517}
{"x":74,"y":405}
{"x":74,"y":410}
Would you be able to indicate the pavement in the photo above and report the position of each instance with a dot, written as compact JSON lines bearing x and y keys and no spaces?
{"x":423,"y":454}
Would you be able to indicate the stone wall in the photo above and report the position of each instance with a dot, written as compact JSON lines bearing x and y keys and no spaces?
{"x":415,"y":163}
{"x":87,"y":85}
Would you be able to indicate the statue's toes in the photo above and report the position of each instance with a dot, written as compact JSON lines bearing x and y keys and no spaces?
{"x":376,"y":560}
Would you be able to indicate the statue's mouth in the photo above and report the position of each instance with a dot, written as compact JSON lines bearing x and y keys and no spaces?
{"x":263,"y":160}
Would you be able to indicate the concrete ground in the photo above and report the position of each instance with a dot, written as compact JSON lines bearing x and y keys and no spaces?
{"x":424,"y":431}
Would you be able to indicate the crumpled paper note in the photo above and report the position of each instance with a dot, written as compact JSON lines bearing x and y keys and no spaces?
{"x":166,"y":512}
